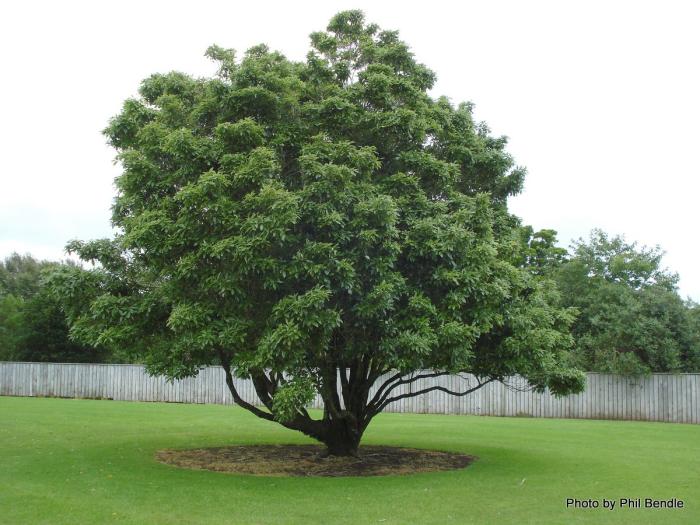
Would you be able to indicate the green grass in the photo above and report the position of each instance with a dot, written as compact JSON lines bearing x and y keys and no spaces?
{"x":82,"y":461}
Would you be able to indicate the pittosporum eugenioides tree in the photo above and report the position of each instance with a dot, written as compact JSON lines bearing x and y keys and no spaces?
{"x":316,"y":226}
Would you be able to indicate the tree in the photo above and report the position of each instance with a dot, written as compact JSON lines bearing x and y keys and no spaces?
{"x":691,"y":357}
{"x":539,"y":253}
{"x":313,"y":227}
{"x":631,"y":319}
{"x":42,"y":335}
{"x":10,"y":319}
{"x":33,"y":326}
{"x":20,"y":282}
{"x":20,"y":275}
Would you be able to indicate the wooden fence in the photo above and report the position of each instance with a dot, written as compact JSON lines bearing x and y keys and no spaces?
{"x":658,"y":397}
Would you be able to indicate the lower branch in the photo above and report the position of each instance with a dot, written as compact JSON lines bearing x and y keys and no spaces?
{"x":434,"y":389}
{"x":379,"y":403}
{"x":394,"y":382}
{"x":239,"y":400}
{"x":302,"y":422}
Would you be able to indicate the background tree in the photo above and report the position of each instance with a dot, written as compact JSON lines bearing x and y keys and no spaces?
{"x":313,"y":227}
{"x":20,"y":275}
{"x":630,"y":319}
{"x":10,"y":319}
{"x":539,"y":252}
{"x":691,"y":357}
{"x":33,"y":326}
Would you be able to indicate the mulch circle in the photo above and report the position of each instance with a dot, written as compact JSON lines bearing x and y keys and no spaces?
{"x":307,"y":460}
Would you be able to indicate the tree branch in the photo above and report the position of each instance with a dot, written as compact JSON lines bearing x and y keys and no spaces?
{"x":377,"y":396}
{"x":432,"y":389}
{"x":380,"y":397}
{"x":237,"y":398}
{"x":329,"y":391}
{"x":344,"y":384}
{"x":265,"y":387}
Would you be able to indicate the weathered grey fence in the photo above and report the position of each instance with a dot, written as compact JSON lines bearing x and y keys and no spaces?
{"x":659,"y":397}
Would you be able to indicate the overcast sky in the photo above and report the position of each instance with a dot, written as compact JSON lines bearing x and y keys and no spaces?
{"x":600,"y":100}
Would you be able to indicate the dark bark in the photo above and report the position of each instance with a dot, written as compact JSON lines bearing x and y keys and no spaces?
{"x":342,"y":422}
{"x":342,"y":436}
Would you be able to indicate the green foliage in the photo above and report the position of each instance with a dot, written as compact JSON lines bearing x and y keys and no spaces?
{"x":43,"y":335}
{"x":10,"y":322}
{"x":304,"y":218}
{"x":298,"y":392}
{"x":616,"y":261}
{"x":539,"y":253}
{"x":631,"y":319}
{"x":33,"y":326}
{"x":20,"y":275}
{"x":691,"y":357}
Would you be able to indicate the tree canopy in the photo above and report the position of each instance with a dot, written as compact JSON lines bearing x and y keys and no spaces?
{"x":314,"y":226}
{"x":33,"y":326}
{"x":630,"y":319}
{"x":20,"y":275}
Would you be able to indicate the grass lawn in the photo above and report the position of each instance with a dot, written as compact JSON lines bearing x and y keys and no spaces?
{"x":83,"y":461}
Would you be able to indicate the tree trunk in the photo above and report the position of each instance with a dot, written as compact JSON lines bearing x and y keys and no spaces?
{"x":341,"y":437}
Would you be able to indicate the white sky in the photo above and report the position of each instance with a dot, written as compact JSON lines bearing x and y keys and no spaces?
{"x":601,"y":101}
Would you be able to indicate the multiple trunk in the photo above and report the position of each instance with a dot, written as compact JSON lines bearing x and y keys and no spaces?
{"x":343,"y":423}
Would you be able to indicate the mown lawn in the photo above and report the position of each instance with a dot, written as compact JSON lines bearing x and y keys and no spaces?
{"x":82,"y":461}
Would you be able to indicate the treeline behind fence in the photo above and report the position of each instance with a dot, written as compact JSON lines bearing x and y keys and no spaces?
{"x":658,"y":397}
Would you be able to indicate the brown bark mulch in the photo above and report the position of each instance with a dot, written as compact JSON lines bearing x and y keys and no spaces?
{"x":307,"y":460}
